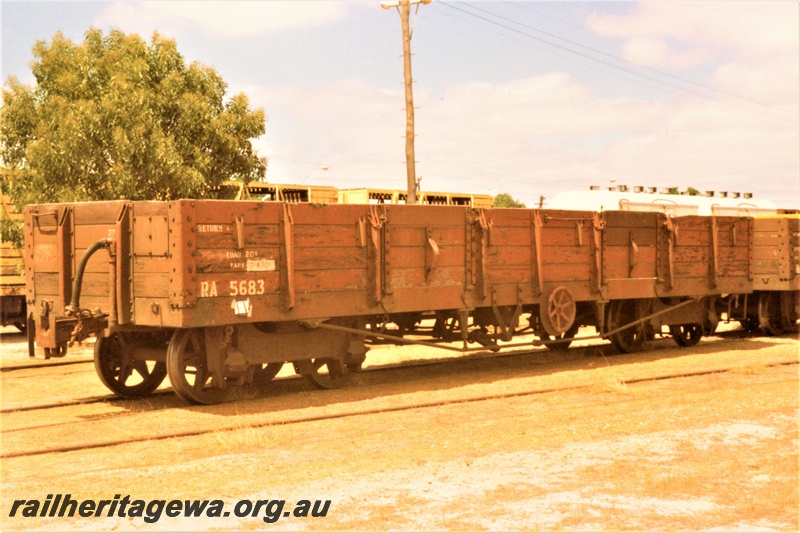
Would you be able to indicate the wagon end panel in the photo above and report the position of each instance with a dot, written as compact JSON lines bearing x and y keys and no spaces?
{"x":71,"y":279}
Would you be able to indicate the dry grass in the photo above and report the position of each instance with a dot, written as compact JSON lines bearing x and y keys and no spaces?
{"x":243,"y":435}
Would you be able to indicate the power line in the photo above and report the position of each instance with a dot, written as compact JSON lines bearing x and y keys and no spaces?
{"x":632,"y":71}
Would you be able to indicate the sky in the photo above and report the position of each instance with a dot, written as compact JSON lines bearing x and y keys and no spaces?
{"x":525,"y":98}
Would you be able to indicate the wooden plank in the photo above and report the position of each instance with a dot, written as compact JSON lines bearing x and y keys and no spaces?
{"x":46,"y":284}
{"x":449,"y":256}
{"x":251,"y":260}
{"x":97,"y":263}
{"x":425,"y":215}
{"x":407,"y":278}
{"x":45,"y":257}
{"x":693,"y":238}
{"x":326,"y":236}
{"x":328,"y":215}
{"x":87,"y":234}
{"x":557,"y":255}
{"x":508,"y":256}
{"x":509,"y":217}
{"x":767,"y":253}
{"x":692,"y":223}
{"x":331,"y":280}
{"x":621,"y":236}
{"x":94,"y":213}
{"x":149,"y":285}
{"x":688,"y":254}
{"x":561,"y":236}
{"x":734,"y":255}
{"x":332,"y":258}
{"x":630,"y":219}
{"x":223,"y":236}
{"x":771,"y":225}
{"x":151,"y":265}
{"x":443,"y":236}
{"x":621,"y":254}
{"x":222,"y":212}
{"x":691,"y":270}
{"x":761,"y":238}
{"x":95,"y":284}
{"x":499,"y":276}
{"x":765,"y":267}
{"x":554,"y":273}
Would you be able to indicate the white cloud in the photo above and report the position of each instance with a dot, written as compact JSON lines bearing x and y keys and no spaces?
{"x":528,"y":137}
{"x":655,"y":52}
{"x":221,"y":19}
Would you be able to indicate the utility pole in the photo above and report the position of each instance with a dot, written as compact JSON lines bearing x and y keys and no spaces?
{"x":404,"y":8}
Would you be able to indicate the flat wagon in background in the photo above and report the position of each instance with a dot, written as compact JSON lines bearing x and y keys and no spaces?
{"x":13,"y":309}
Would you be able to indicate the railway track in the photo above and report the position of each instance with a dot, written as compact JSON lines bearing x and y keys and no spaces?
{"x":373,"y":397}
{"x":574,"y":353}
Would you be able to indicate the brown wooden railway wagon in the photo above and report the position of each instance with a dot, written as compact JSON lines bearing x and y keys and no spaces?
{"x":222,"y":293}
{"x":773,"y":304}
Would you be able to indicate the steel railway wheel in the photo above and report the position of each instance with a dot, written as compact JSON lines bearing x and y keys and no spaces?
{"x":687,"y":334}
{"x":122,"y":374}
{"x":325,"y":373}
{"x":769,"y":314}
{"x":621,"y":313}
{"x":188,"y":369}
{"x":560,"y":346}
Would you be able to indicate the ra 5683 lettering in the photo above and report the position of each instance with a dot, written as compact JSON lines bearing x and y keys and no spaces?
{"x":245,"y":287}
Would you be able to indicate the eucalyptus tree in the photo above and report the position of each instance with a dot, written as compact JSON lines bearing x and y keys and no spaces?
{"x":116,"y":117}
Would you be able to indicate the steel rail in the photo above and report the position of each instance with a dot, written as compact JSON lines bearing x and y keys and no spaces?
{"x":365,"y":412}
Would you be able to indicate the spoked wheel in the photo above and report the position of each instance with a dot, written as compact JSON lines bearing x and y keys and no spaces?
{"x":621,"y":313}
{"x":559,"y":314}
{"x":326,"y":373}
{"x":687,"y":334}
{"x":122,"y":374}
{"x":266,"y":373}
{"x":187,"y":367}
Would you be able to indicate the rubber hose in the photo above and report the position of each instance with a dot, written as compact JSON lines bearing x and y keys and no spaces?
{"x":74,"y":305}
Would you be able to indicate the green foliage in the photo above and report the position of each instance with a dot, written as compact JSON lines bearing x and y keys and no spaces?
{"x":506,"y":200}
{"x":11,"y":231}
{"x":691,"y":191}
{"x":117,"y":118}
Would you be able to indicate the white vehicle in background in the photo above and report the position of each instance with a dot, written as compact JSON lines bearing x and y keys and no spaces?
{"x":639,"y":198}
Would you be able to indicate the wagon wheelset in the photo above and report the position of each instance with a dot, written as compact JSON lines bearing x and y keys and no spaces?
{"x":325,"y":373}
{"x":622,"y":313}
{"x":125,"y":376}
{"x":188,"y":369}
{"x":564,"y":345}
{"x":769,"y":316}
{"x":686,"y":335}
{"x":266,"y":373}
